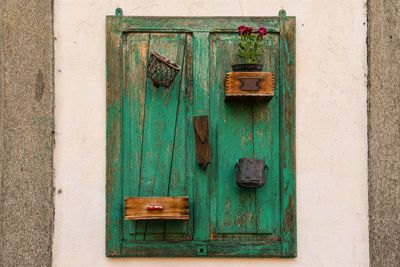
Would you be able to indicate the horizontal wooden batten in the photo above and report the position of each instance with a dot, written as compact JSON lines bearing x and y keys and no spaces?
{"x":157,"y":208}
{"x":213,"y":249}
{"x":191,"y":24}
{"x":249,"y":85}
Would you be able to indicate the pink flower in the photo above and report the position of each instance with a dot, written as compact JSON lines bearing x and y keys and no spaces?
{"x":249,"y":30}
{"x":262,"y":31}
{"x":244,"y":30}
{"x":241,"y":29}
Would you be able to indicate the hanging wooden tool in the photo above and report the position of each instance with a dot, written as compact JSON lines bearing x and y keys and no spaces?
{"x":203,"y":153}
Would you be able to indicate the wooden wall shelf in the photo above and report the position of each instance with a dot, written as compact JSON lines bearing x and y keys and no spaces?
{"x":157,"y":208}
{"x":249,"y":86}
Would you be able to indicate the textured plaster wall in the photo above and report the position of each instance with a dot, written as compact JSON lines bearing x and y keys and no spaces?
{"x":331,"y":135}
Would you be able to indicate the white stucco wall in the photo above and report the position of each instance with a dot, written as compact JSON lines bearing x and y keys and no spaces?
{"x":331,"y":128}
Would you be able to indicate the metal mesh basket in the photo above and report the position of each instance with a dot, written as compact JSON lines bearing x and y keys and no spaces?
{"x":161,"y":70}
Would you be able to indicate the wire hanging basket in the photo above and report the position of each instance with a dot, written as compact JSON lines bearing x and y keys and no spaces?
{"x":161,"y":70}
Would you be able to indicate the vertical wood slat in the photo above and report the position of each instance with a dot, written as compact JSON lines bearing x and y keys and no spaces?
{"x":189,"y":146}
{"x":201,"y":72}
{"x":179,"y":184}
{"x":213,"y":128}
{"x":135,"y":57}
{"x":201,"y":107}
{"x":113,"y":145}
{"x":287,"y":117}
{"x":266,"y":146}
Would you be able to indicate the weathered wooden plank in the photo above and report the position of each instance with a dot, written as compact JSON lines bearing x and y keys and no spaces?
{"x":287,"y":49}
{"x":189,"y":145}
{"x":254,"y":249}
{"x":113,"y":145}
{"x":266,"y":146}
{"x":135,"y":57}
{"x":245,"y":237}
{"x":201,"y":72}
{"x":237,"y":249}
{"x":200,"y":107}
{"x":192,"y":24}
{"x":274,"y":241}
{"x":180,"y":183}
{"x":213,"y":125}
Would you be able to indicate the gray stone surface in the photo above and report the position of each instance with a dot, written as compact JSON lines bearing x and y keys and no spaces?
{"x":384,"y":131}
{"x":26,"y":129}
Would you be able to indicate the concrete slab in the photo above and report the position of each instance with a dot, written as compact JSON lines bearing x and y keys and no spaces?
{"x":26,"y":108}
{"x":384,"y":131}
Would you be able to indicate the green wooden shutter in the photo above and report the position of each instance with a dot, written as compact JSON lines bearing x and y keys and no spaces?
{"x":151,"y":149}
{"x":249,"y":130}
{"x":153,"y":132}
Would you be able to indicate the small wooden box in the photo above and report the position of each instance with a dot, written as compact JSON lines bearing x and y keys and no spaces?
{"x":157,"y":208}
{"x":249,"y":86}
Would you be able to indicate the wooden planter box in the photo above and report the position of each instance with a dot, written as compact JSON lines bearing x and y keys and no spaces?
{"x":157,"y":208}
{"x":249,"y":86}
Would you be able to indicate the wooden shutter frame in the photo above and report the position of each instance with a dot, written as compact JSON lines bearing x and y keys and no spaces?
{"x":116,"y":26}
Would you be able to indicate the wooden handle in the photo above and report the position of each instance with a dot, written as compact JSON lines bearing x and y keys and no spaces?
{"x":155,"y":207}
